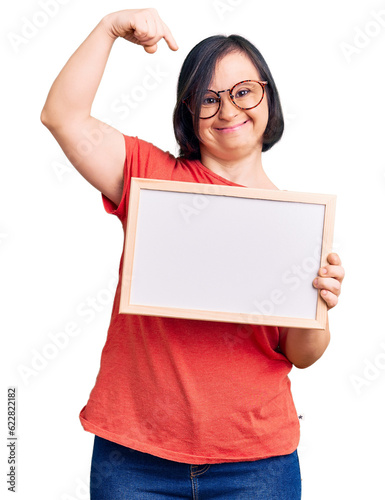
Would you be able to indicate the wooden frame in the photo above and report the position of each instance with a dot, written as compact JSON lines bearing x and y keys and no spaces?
{"x":177,"y":230}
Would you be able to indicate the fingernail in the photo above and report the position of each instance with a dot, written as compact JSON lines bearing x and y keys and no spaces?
{"x":315,"y":282}
{"x":324,"y":270}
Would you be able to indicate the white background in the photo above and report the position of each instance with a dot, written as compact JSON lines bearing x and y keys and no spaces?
{"x":58,"y":248}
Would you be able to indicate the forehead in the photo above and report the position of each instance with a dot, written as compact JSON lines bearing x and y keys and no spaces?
{"x":233,"y":68}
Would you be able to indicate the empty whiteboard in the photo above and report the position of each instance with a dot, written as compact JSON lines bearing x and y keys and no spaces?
{"x":225,"y":253}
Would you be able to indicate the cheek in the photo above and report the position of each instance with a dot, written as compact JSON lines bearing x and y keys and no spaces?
{"x":204,"y":130}
{"x":266,"y":112}
{"x":260,"y":122}
{"x":263,"y":114}
{"x":265,"y":119}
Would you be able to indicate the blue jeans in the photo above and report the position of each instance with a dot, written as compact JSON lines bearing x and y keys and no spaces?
{"x":120,"y":473}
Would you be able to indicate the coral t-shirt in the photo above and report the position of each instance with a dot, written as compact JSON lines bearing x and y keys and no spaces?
{"x":192,"y":391}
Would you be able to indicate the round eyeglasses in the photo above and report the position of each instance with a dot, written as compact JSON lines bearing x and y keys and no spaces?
{"x":247,"y":94}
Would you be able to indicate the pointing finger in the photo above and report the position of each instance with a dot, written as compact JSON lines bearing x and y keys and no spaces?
{"x":170,"y":40}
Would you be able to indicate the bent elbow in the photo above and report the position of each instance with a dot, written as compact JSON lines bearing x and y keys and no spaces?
{"x":303,"y":365}
{"x":45,"y":118}
{"x":51,"y":118}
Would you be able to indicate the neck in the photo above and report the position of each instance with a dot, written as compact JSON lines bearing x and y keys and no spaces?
{"x":247,"y":171}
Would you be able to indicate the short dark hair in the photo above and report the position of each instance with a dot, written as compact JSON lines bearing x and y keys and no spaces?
{"x":194,"y":78}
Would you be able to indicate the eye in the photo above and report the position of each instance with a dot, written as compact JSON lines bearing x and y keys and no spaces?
{"x":242,"y":92}
{"x":210,"y":99}
{"x":207,"y":101}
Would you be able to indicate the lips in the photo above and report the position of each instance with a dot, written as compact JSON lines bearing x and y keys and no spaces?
{"x":234,"y":128}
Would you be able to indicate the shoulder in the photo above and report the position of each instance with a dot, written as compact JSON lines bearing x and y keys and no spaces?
{"x":145,"y":148}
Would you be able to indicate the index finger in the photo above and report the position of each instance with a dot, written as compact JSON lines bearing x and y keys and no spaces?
{"x":170,"y":40}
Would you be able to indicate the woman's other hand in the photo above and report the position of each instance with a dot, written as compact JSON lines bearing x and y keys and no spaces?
{"x":329,"y":280}
{"x":141,"y":26}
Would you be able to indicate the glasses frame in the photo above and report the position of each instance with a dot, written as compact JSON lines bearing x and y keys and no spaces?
{"x":230,"y":91}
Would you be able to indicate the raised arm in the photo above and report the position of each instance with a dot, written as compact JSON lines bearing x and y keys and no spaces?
{"x":96,"y":149}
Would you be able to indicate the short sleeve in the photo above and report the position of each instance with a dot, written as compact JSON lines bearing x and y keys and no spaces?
{"x":144,"y":160}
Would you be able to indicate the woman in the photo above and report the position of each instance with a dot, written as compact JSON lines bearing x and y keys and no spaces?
{"x":187,"y":408}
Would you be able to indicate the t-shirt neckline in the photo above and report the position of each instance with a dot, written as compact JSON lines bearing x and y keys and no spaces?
{"x":217,"y":176}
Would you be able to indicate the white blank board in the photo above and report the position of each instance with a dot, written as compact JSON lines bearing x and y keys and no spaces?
{"x":225,"y":253}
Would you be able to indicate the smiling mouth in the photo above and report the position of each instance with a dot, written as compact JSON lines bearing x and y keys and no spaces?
{"x":232,"y":129}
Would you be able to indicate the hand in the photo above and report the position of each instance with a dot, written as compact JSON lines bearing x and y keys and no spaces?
{"x":329,"y":282}
{"x":141,"y":26}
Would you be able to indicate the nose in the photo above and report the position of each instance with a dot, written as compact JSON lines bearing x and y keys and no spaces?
{"x":228,"y":109}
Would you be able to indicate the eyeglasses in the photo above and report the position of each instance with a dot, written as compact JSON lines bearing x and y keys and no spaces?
{"x":247,"y":94}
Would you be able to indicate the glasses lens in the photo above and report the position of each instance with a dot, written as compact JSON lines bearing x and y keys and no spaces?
{"x":248,"y":94}
{"x":209,"y":105}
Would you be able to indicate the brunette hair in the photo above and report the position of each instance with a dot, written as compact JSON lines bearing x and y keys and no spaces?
{"x":195,"y":76}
